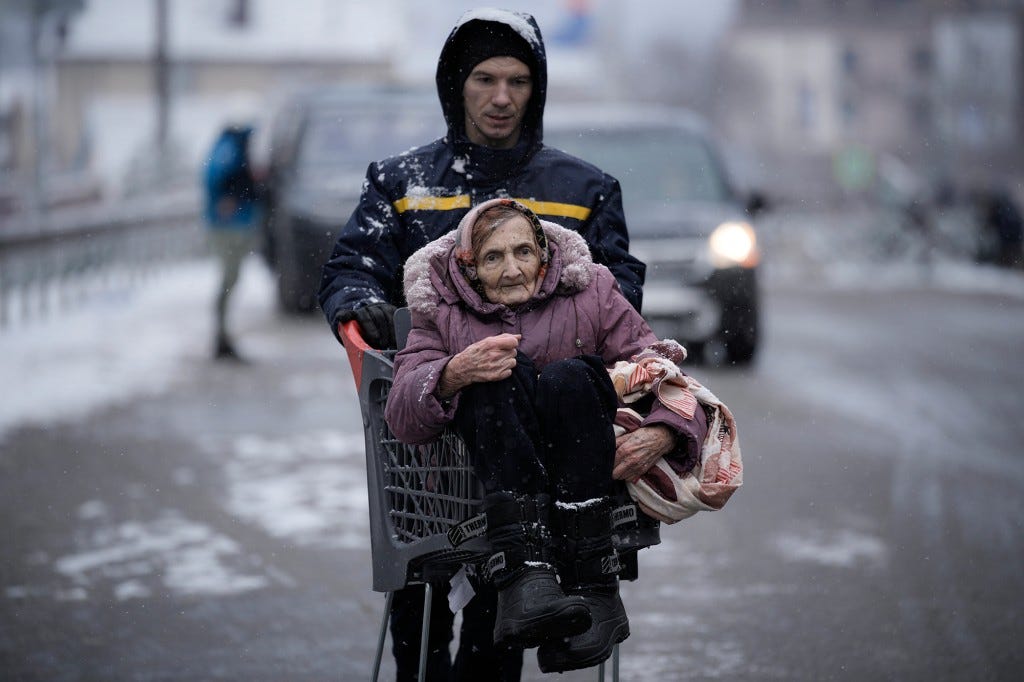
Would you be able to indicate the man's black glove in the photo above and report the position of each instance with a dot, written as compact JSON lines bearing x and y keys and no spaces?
{"x":376,"y":323}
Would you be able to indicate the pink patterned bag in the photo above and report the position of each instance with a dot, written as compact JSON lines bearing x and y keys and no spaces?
{"x":665,"y":492}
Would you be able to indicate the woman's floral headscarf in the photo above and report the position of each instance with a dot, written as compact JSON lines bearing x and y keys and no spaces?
{"x":464,"y":237}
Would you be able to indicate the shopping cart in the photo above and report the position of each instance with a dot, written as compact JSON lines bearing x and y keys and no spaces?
{"x":419,"y":493}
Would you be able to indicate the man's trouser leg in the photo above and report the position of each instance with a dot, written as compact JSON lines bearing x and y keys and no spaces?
{"x":478,"y":658}
{"x":406,"y":625}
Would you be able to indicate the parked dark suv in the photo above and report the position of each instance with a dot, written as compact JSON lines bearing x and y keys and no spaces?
{"x":686,"y":222}
{"x":320,"y":145}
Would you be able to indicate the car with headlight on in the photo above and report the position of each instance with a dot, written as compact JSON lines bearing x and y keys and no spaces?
{"x":686,"y":221}
{"x":320,"y":144}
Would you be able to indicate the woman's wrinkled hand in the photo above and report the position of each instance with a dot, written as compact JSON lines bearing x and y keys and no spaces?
{"x":490,"y":359}
{"x":636,"y":452}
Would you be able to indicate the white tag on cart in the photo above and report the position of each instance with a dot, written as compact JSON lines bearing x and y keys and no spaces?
{"x":462,"y":591}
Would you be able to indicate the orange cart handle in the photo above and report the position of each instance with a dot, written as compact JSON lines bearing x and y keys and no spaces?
{"x":355,"y":347}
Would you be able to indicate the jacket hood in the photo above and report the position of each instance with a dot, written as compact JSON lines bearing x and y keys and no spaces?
{"x":449,"y":84}
{"x":432,"y":273}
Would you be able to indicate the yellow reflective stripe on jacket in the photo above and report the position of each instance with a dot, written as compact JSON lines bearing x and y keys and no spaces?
{"x":553,"y":208}
{"x":545,"y":208}
{"x":432,"y":203}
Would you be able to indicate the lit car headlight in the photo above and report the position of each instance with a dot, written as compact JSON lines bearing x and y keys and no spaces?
{"x":732,"y":244}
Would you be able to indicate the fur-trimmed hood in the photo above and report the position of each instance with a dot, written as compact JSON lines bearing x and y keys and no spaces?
{"x":432,"y":275}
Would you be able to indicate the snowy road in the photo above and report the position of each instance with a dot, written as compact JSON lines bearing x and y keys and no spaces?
{"x":167,"y":518}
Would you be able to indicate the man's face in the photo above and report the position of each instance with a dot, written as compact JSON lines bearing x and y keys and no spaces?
{"x":494,"y":97}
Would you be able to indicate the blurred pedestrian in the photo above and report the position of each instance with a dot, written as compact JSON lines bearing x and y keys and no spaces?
{"x":232,"y":215}
{"x":492,"y":82}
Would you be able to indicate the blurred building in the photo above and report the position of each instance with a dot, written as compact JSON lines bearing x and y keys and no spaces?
{"x":32,"y":33}
{"x":131,"y":76}
{"x":124,"y":92}
{"x":831,"y":86}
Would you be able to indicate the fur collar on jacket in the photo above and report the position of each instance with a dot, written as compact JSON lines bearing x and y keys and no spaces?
{"x":571,"y":263}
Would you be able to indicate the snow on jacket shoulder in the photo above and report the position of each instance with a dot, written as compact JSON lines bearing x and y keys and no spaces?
{"x":578,"y":309}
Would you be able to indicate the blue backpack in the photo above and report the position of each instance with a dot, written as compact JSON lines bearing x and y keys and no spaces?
{"x":228,"y":176}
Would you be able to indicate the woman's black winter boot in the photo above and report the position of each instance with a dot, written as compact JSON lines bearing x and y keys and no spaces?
{"x":589,"y":568}
{"x":531,"y":605}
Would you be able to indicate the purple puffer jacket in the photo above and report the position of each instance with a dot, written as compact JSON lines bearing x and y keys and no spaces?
{"x":578,"y":309}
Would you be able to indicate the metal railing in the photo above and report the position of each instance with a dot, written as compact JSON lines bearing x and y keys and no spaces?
{"x":76,"y":255}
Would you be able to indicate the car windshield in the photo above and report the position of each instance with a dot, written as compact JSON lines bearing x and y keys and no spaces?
{"x":353,"y":138}
{"x":661,"y":165}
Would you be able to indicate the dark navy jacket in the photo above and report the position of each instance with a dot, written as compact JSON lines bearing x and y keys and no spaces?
{"x":413,"y":198}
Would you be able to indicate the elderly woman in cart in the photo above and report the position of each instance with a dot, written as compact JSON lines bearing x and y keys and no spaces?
{"x":514,"y":333}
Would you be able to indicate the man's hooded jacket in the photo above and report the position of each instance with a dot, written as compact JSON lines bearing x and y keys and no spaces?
{"x":413,"y":198}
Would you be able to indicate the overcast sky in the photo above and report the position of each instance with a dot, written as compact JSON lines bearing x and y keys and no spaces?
{"x":628,"y":27}
{"x":337,"y":26}
{"x":695,"y":21}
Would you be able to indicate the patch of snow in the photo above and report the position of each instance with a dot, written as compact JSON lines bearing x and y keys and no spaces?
{"x":309,"y":488}
{"x":188,"y":557}
{"x":74,"y":594}
{"x":131,"y":589}
{"x":123,"y":345}
{"x":419,"y":191}
{"x":845,"y":549}
{"x":517,"y":21}
{"x":577,"y":506}
{"x":92,"y":509}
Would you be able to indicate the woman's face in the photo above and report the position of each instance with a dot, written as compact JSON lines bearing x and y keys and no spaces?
{"x":508,"y":263}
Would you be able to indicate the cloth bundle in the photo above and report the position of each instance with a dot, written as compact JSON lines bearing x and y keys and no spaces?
{"x":666,"y":492}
